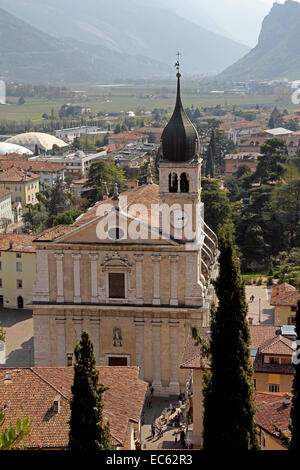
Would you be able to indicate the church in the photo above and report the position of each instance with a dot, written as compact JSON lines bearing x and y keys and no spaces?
{"x":135,"y":271}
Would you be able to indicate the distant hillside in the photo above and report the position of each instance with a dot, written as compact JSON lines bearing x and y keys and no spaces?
{"x":277,"y":54}
{"x":28,"y":55}
{"x":132,"y":27}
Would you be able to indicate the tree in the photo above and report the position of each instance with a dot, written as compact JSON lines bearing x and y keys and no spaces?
{"x":229,"y":407}
{"x":271,"y":165}
{"x":58,"y":198}
{"x":11,"y":437}
{"x":88,"y":432}
{"x":99,"y":173}
{"x":67,"y":218}
{"x":210,"y":163}
{"x":295,"y":410}
{"x":217,"y":208}
{"x":275,"y":119}
{"x":285,"y":202}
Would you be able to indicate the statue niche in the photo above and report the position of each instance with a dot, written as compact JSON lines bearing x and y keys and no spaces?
{"x":117,"y":333}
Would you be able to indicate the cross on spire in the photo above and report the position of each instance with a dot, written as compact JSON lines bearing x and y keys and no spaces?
{"x":177,"y":65}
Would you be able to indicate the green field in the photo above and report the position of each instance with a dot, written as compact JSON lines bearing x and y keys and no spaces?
{"x":113,"y":99}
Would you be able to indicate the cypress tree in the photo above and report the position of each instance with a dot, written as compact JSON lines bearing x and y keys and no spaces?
{"x":209,"y":168}
{"x":229,"y":404}
{"x":88,"y":432}
{"x":295,"y":411}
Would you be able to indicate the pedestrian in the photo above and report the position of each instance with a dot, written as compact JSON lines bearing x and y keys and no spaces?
{"x":149,"y":403}
{"x":143,"y":419}
{"x":151,"y":391}
{"x":153,"y":430}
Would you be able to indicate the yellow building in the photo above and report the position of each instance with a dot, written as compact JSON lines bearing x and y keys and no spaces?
{"x":17,"y":270}
{"x":273,"y":372}
{"x":284,"y":298}
{"x":22,"y":184}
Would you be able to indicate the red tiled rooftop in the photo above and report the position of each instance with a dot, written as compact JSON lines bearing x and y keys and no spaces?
{"x":17,"y":242}
{"x":285,"y":294}
{"x":273,"y":409}
{"x":33,"y":166}
{"x":17,"y":175}
{"x":31,"y":392}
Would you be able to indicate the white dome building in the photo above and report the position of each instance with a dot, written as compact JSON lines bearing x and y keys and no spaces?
{"x":6,"y":149}
{"x":37,"y":140}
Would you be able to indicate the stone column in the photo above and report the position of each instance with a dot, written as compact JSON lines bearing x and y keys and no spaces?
{"x":174,"y":279}
{"x":77,"y":328}
{"x":41,"y":287}
{"x":94,"y":278}
{"x":59,"y":278}
{"x":139,"y":277}
{"x":139,"y":346}
{"x":76,"y":260}
{"x":156,"y":381}
{"x":156,"y":279}
{"x":174,"y":366}
{"x":95,"y":337}
{"x":61,"y":341}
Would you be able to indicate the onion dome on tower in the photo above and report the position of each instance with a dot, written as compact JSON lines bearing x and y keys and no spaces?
{"x":180,"y":139}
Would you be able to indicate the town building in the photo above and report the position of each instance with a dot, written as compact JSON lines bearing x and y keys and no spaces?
{"x":234,"y":160}
{"x":48,"y":172}
{"x":23,"y":185}
{"x":17,"y":270}
{"x":271,"y":352}
{"x":6,"y":213}
{"x":71,"y":133}
{"x":134,"y":271}
{"x":284,"y":299}
{"x":127,"y":137}
{"x":43,"y":395}
{"x":76,"y":164}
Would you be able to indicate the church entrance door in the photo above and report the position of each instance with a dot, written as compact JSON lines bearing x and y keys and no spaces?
{"x":117,"y":361}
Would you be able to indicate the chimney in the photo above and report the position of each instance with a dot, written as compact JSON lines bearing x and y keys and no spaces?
{"x":149,"y":175}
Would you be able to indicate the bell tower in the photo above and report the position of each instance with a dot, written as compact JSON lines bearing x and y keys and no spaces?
{"x":180,"y":175}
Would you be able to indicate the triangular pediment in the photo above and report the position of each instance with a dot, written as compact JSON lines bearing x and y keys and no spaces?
{"x":102,"y":230}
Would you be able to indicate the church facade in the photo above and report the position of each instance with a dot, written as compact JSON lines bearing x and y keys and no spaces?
{"x":134,"y":271}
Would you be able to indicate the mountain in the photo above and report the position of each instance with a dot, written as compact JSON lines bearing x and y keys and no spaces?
{"x":242,"y":19}
{"x":133,"y":27}
{"x":277,"y":53}
{"x":28,"y":55}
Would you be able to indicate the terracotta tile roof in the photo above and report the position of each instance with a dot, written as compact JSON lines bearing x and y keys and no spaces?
{"x":277,"y":345}
{"x":147,"y":195}
{"x":126,"y":136}
{"x":16,"y":175}
{"x":260,"y":336}
{"x":285,"y":294}
{"x":273,"y":408}
{"x":33,"y":166}
{"x":53,"y":233}
{"x":82,"y":181}
{"x":31,"y":392}
{"x":113,"y":147}
{"x":15,"y":242}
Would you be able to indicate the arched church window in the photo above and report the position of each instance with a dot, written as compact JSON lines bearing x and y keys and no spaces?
{"x":184,"y":183}
{"x":173,"y":183}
